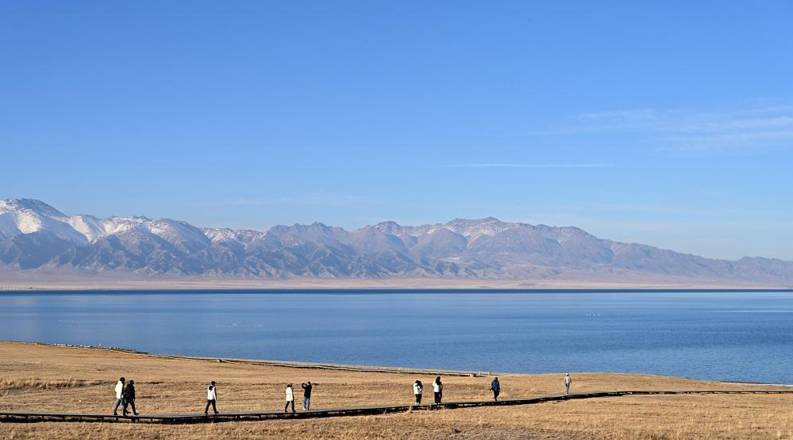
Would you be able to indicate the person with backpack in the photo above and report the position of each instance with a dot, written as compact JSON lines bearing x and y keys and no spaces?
{"x":129,"y":398}
{"x":119,"y":395}
{"x":437,"y":389}
{"x":568,"y":382}
{"x":212,"y":398}
{"x":307,"y":387}
{"x":290,"y":398}
{"x":495,"y":387}
{"x":418,"y":389}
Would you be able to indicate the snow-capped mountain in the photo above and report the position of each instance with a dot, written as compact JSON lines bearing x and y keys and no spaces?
{"x":34,"y":235}
{"x":27,"y":216}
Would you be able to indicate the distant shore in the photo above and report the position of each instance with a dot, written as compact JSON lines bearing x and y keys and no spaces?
{"x":383,"y":290}
{"x":32,"y":282}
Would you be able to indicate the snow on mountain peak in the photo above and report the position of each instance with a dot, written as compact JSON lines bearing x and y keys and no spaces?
{"x":28,"y":216}
{"x":29,"y":205}
{"x":475,"y":228}
{"x":218,"y":235}
{"x":177,"y":232}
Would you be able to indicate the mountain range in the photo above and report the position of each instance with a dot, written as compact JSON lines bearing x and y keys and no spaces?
{"x":35,"y":236}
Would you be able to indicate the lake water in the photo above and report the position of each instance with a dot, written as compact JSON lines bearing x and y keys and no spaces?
{"x":744,"y":336}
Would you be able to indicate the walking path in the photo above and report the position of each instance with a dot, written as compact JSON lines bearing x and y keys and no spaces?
{"x":342,"y":412}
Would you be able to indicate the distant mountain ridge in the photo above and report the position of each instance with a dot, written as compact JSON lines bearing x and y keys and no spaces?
{"x":36,"y":236}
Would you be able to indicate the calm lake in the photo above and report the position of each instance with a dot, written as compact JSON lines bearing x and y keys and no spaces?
{"x":743,"y":336}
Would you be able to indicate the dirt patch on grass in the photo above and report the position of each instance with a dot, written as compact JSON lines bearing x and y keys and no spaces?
{"x":12,"y":385}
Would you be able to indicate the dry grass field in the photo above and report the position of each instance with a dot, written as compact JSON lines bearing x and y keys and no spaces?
{"x":46,"y":378}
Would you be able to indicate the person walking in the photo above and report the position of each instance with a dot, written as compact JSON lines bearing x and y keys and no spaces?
{"x":568,"y":382}
{"x":437,"y":389}
{"x":418,"y":389}
{"x":290,"y":398}
{"x":307,"y":387}
{"x":129,"y":397}
{"x":212,"y":398}
{"x":495,"y":387}
{"x":119,"y":396}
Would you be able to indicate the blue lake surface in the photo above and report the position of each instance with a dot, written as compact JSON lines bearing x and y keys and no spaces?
{"x":742,"y":336}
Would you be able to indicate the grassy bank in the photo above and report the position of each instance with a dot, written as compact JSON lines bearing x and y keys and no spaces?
{"x":46,"y":378}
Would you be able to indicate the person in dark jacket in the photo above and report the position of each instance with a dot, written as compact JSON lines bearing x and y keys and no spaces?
{"x":495,"y":387}
{"x":307,"y":387}
{"x":129,"y":397}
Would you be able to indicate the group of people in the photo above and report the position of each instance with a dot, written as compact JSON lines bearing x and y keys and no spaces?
{"x":290,"y":396}
{"x":437,"y":390}
{"x":212,"y":397}
{"x":125,"y":394}
{"x":495,"y":387}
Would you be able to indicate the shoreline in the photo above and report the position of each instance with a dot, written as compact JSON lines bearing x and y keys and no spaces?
{"x":356,"y":368}
{"x":51,"y":282}
{"x":274,"y":363}
{"x":393,"y":290}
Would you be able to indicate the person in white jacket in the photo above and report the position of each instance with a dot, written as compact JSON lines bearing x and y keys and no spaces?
{"x":418,"y":390}
{"x":119,"y":396}
{"x":212,"y":398}
{"x":437,"y":390}
{"x":290,"y":398}
{"x":568,"y":382}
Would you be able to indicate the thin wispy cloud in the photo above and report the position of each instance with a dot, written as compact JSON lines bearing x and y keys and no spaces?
{"x":625,"y":116}
{"x":689,"y":120}
{"x":529,"y":165}
{"x":755,"y":127}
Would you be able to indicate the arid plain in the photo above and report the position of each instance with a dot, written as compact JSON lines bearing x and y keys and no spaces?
{"x":47,"y":378}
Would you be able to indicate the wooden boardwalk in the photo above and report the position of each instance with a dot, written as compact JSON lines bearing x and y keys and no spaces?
{"x":29,"y":417}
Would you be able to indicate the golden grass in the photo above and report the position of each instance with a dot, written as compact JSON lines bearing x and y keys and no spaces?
{"x":45,"y":378}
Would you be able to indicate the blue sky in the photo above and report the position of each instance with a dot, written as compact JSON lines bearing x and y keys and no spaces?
{"x":669,"y":123}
